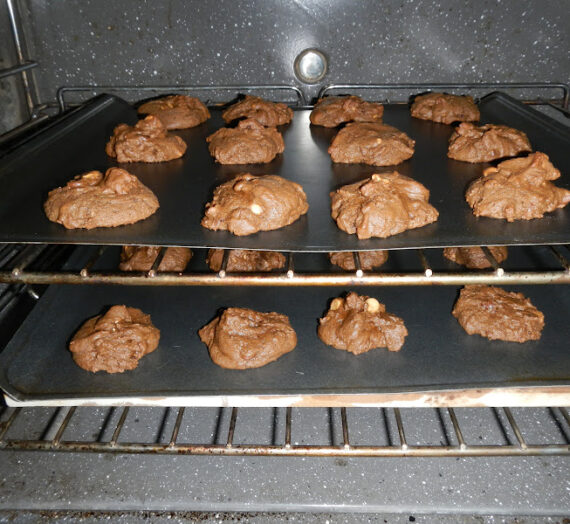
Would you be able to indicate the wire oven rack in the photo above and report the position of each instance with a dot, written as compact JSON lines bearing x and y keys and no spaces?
{"x":454,"y":440}
{"x":18,"y":258}
{"x":167,"y":424}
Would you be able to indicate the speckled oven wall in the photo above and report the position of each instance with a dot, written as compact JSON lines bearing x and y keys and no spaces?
{"x":80,"y":42}
{"x":12,"y":101}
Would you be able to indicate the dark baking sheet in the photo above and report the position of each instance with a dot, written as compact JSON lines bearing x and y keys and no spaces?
{"x":184,"y":186}
{"x":437,"y":355}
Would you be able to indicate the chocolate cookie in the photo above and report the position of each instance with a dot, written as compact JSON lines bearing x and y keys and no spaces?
{"x":335,"y":110}
{"x":517,"y":189}
{"x":371,"y":143}
{"x":146,"y":141}
{"x":248,"y":204}
{"x":176,"y":111}
{"x":266,"y":113}
{"x":472,"y":143}
{"x":141,"y":258}
{"x":444,"y":108}
{"x":358,"y":324}
{"x":93,"y":200}
{"x":243,"y":338}
{"x":497,"y":314}
{"x":383,"y":205}
{"x":114,"y":342}
{"x":368,"y":259}
{"x":474,"y":257}
{"x":245,"y":260}
{"x":248,"y":143}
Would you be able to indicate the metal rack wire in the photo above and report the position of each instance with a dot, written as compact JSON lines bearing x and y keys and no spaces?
{"x":456,"y":442}
{"x":14,"y":271}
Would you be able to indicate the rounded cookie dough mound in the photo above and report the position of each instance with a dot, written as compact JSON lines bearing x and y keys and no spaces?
{"x":359,"y":323}
{"x":474,"y":257}
{"x":248,"y":204}
{"x":176,"y":111}
{"x":142,"y":258}
{"x":245,"y":260}
{"x":267,"y":113}
{"x":497,"y":314}
{"x":335,"y":110}
{"x":471,"y":143}
{"x":517,"y":189}
{"x":444,"y":108}
{"x":93,"y":200}
{"x":382,"y":205}
{"x":243,"y":338}
{"x":248,"y":143}
{"x":371,"y":143}
{"x":146,"y":141}
{"x":114,"y":342}
{"x":368,"y":259}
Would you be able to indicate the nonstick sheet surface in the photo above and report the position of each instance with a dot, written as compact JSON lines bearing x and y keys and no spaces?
{"x":184,"y":186}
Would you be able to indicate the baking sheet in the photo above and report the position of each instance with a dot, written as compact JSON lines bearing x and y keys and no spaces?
{"x":184,"y":186}
{"x":438,"y":356}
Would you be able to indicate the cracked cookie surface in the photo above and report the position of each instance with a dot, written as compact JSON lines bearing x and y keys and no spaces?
{"x":359,"y":323}
{"x":248,"y":204}
{"x":146,"y":141}
{"x":243,"y":338}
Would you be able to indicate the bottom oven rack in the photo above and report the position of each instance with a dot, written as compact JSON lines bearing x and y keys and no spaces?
{"x":163,"y":431}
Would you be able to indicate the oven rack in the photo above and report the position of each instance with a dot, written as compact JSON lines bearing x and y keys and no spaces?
{"x":167,"y":424}
{"x":15,"y":258}
{"x":555,"y":94}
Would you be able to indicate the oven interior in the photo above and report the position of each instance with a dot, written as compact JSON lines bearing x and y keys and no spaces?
{"x":57,"y":56}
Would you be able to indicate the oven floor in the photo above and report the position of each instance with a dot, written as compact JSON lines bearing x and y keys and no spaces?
{"x":158,"y":517}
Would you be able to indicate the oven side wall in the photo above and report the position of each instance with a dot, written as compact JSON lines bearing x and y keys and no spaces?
{"x":13,"y":110}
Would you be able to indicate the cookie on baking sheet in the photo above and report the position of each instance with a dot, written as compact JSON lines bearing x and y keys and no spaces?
{"x":444,"y":108}
{"x":383,"y":205}
{"x":497,"y":314}
{"x":245,"y":260}
{"x":242,"y":338}
{"x":371,"y":143}
{"x":176,"y":111}
{"x":472,"y":143}
{"x":267,"y":113}
{"x":473,"y":257}
{"x":146,"y":141}
{"x":96,"y":200}
{"x":358,"y":324}
{"x":114,"y":342}
{"x":248,"y":143}
{"x":248,"y":204}
{"x":517,"y":189}
{"x":141,"y":258}
{"x":335,"y":110}
{"x":368,"y":259}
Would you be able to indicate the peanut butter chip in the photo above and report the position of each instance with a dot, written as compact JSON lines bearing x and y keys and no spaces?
{"x":336,"y":303}
{"x":372,"y":305}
